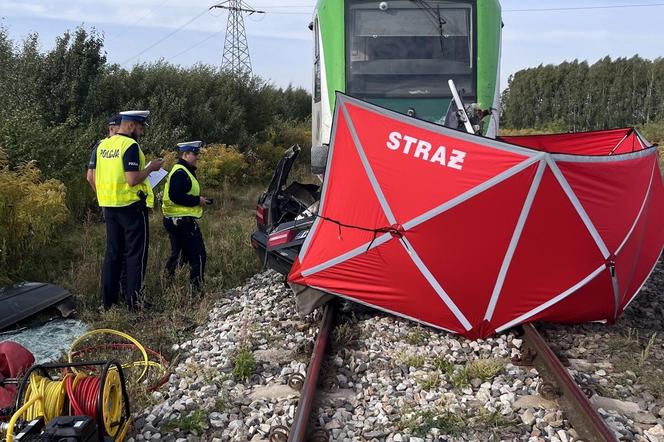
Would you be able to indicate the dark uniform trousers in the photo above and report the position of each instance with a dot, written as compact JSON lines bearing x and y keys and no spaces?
{"x":127,"y":239}
{"x":186,"y":242}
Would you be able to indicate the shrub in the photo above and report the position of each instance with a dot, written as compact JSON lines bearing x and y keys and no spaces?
{"x":219,"y":165}
{"x":31,"y":210}
{"x":654,"y":132}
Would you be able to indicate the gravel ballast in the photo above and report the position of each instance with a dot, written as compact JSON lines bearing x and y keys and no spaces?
{"x":386,"y":379}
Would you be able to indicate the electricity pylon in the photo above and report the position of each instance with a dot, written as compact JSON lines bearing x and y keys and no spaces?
{"x":236,"y":57}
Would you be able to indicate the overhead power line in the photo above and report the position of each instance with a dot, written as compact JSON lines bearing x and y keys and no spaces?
{"x":169,"y":35}
{"x":209,"y":37}
{"x":578,"y":8}
{"x":276,"y":9}
{"x":138,"y":20}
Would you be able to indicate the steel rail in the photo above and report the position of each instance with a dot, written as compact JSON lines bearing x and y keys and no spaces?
{"x":298,"y":432}
{"x":580,"y":412}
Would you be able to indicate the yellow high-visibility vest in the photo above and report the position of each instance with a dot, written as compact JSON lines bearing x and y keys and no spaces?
{"x":110,"y":180}
{"x":169,"y":208}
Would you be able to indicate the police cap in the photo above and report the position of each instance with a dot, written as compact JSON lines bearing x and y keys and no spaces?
{"x":115,"y":120}
{"x":135,"y":115}
{"x":190,"y":146}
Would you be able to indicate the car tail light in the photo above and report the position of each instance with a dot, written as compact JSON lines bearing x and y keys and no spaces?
{"x":282,"y":237}
{"x":260,"y":215}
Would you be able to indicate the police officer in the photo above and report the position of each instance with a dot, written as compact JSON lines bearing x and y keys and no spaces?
{"x":113,"y":126}
{"x":124,"y":194}
{"x":182,"y":206}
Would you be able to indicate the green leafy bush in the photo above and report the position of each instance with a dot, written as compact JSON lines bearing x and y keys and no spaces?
{"x":220,"y":164}
{"x":31,"y":211}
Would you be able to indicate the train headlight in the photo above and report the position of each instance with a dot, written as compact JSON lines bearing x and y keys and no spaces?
{"x":382,"y":6}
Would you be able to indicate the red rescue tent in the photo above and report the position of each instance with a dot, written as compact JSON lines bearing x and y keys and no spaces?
{"x":474,"y":235}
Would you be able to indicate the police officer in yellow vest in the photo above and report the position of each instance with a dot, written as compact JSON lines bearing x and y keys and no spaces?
{"x":182,"y":206}
{"x":113,"y":126}
{"x":125,"y":195}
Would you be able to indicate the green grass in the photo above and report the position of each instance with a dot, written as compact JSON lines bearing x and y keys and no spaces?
{"x":454,"y":423}
{"x":417,"y":336}
{"x":482,"y":369}
{"x":443,"y":365}
{"x":632,"y":350}
{"x":194,"y":422}
{"x":461,"y":378}
{"x":345,"y":334}
{"x":226,"y":228}
{"x":222,"y":403}
{"x":420,"y":422}
{"x":244,"y":364}
{"x":430,"y":382}
{"x":415,"y":361}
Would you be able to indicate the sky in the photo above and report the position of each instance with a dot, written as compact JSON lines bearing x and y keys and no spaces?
{"x":280,"y":43}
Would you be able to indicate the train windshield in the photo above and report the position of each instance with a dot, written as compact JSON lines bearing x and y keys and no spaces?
{"x":409,"y":48}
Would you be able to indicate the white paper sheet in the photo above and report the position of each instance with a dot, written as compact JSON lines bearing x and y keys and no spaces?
{"x":155,"y":177}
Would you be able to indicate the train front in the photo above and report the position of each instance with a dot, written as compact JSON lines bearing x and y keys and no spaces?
{"x":400,"y":54}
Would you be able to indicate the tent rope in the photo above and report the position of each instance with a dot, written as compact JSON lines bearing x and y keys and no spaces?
{"x":395,"y":230}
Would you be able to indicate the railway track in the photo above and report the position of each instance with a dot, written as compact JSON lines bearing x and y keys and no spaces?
{"x":558,"y":385}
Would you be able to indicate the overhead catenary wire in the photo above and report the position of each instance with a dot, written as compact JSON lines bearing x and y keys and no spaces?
{"x":580,"y":8}
{"x":169,"y":35}
{"x":561,"y":9}
{"x":279,"y":10}
{"x":209,"y":37}
{"x":138,"y":20}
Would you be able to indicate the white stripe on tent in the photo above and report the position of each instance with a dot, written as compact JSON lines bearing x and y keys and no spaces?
{"x":385,"y":237}
{"x":382,"y":309}
{"x":426,"y":216}
{"x":616,"y":293}
{"x":638,"y":253}
{"x":638,"y":215}
{"x":552,"y":301}
{"x":326,"y":181}
{"x":567,"y":158}
{"x":367,"y":168}
{"x":644,"y":141}
{"x":579,"y":208}
{"x":620,"y":142}
{"x":644,"y":281}
{"x":434,"y":283}
{"x":452,"y":133}
{"x":516,"y":236}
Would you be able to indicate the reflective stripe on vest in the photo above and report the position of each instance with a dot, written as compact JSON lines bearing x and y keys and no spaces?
{"x":169,"y":208}
{"x":110,"y":180}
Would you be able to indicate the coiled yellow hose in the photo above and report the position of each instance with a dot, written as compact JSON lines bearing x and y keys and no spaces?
{"x":145,"y":362}
{"x":52,"y":395}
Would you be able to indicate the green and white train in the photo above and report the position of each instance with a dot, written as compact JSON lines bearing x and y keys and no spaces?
{"x":400,"y":54}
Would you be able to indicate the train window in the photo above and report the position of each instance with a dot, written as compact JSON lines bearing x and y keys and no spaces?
{"x":317,"y":93}
{"x":409,"y":48}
